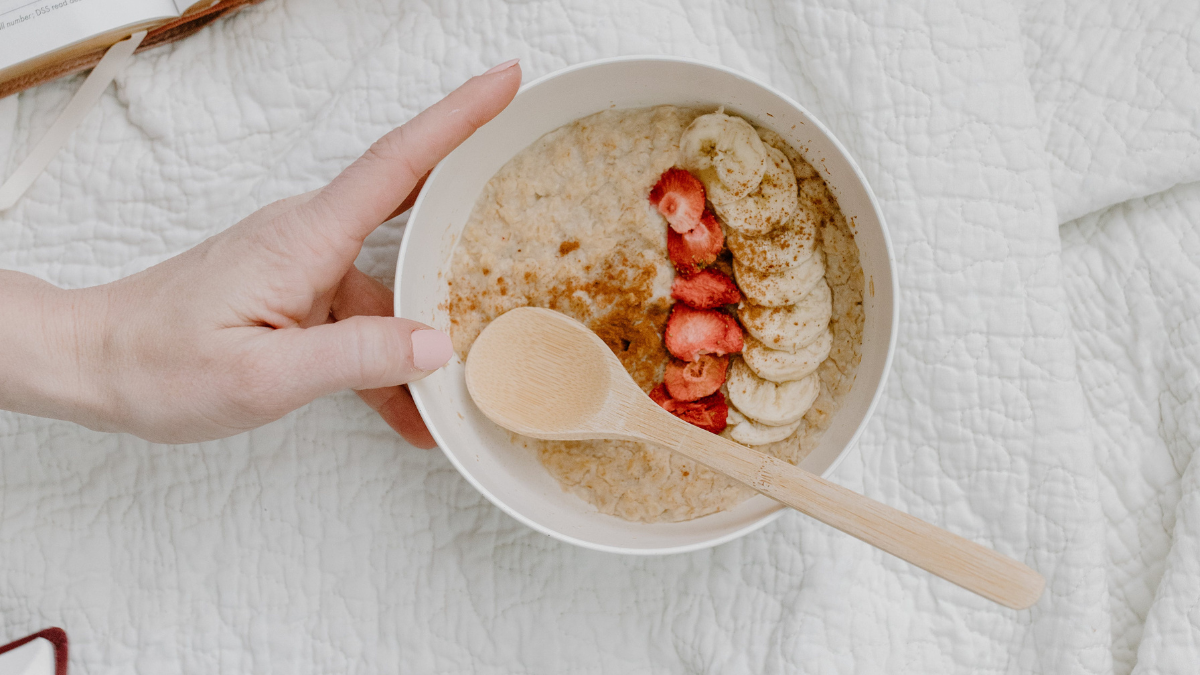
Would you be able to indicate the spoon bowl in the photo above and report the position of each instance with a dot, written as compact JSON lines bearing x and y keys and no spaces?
{"x":540,"y":397}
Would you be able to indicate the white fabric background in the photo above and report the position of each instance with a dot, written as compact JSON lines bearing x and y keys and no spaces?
{"x":1042,"y":399}
{"x":1133,"y":277}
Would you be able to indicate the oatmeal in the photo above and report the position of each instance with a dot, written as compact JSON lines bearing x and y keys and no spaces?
{"x":566,"y":225}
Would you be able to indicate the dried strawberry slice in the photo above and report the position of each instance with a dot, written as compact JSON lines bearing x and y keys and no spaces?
{"x":695,"y":250}
{"x":710,"y":413}
{"x":679,"y":197}
{"x":706,"y":289}
{"x":692,"y":332}
{"x":691,"y":380}
{"x":661,"y":397}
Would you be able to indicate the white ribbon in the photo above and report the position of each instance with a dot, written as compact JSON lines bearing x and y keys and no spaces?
{"x":104,"y":73}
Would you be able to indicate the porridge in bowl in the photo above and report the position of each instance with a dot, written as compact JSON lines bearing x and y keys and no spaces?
{"x":708,"y":255}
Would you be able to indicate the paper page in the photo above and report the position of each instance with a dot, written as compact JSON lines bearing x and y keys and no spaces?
{"x":35,"y":657}
{"x":31,"y":28}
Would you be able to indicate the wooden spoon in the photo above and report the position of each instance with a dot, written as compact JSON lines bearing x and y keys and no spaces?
{"x":542,"y":374}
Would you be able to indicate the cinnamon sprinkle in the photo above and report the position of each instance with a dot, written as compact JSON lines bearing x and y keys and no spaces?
{"x":614,"y":298}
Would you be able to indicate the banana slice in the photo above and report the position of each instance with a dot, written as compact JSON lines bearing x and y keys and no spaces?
{"x":784,"y":248}
{"x":748,"y":432}
{"x":770,"y":205}
{"x":800,"y":166}
{"x":770,"y":403}
{"x":783,"y":288}
{"x":726,"y":154}
{"x":789,"y":328}
{"x":780,"y":366}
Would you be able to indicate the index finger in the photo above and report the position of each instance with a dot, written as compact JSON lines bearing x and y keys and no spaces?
{"x":370,"y":189}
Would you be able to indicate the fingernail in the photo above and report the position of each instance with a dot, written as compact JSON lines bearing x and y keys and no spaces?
{"x":503,"y":66}
{"x":431,"y":349}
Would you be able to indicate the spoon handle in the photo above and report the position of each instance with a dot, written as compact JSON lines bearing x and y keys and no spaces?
{"x":974,"y":567}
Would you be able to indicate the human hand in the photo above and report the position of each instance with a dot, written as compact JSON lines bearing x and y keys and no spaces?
{"x":270,"y":314}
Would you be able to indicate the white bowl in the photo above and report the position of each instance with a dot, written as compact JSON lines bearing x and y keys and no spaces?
{"x":511,"y":476}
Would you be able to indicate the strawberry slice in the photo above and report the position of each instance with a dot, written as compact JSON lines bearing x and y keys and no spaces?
{"x":660,"y":396}
{"x":710,"y":413}
{"x":679,"y":197}
{"x":695,"y":250}
{"x":706,"y":289}
{"x":692,"y":332}
{"x":688,"y":381}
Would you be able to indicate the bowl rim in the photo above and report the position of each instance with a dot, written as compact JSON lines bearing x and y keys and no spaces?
{"x":418,"y":397}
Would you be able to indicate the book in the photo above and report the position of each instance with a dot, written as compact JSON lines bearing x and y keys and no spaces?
{"x":41,"y":40}
{"x":43,"y":653}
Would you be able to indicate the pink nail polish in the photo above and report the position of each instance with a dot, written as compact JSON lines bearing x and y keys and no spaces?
{"x":431,"y":349}
{"x":503,"y":66}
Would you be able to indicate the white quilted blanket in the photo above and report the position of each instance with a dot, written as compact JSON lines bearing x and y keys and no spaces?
{"x":1043,"y":399}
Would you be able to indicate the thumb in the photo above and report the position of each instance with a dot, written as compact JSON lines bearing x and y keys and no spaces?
{"x":363,"y":352}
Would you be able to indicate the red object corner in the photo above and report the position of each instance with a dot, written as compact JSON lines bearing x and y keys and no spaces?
{"x":57,"y":637}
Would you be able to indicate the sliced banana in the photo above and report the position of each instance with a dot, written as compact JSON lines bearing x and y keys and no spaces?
{"x":783,"y":288}
{"x":789,"y":328}
{"x":779,"y":366}
{"x":748,"y":432}
{"x":784,"y":248}
{"x":800,"y":166}
{"x":767,"y":207}
{"x":770,"y":403}
{"x":726,"y":154}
